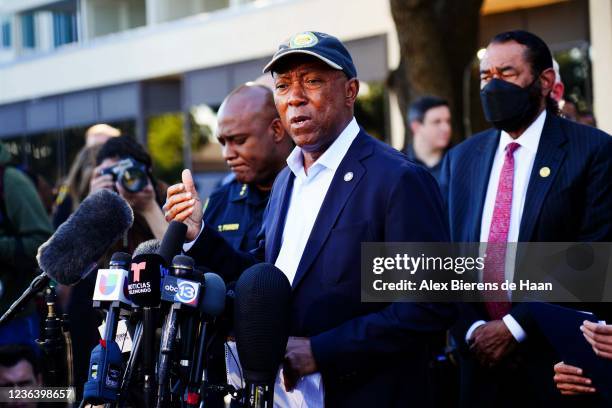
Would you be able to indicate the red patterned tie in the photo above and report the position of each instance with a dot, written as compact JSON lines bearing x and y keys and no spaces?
{"x":498,"y":234}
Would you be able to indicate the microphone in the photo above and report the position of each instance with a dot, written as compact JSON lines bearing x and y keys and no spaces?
{"x":212,"y":305}
{"x":151,"y":260}
{"x":144,"y":279}
{"x":144,"y":282}
{"x":101,"y":219}
{"x":172,"y":243}
{"x":148,"y":247}
{"x":184,"y":294}
{"x":261,"y":323}
{"x":99,"y":222}
{"x":213,"y":301}
{"x":105,"y":365}
{"x":111,"y":283}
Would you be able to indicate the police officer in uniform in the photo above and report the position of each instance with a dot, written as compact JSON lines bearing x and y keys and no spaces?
{"x":255,"y":146}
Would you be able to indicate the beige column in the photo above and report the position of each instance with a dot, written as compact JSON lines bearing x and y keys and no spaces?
{"x":600,"y":12}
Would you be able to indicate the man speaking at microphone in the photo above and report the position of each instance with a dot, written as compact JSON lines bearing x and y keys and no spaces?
{"x":341,"y":188}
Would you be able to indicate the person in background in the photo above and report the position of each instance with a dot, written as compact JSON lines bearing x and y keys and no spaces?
{"x":255,"y":146}
{"x":99,"y":134}
{"x":75,"y":187}
{"x":570,"y":380}
{"x":24,"y":226}
{"x":149,"y":219}
{"x":149,"y":223}
{"x":533,"y":177}
{"x":558,"y":90}
{"x":19,"y":368}
{"x":430,"y":121}
{"x":587,"y":118}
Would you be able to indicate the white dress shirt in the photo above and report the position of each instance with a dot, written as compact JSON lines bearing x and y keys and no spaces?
{"x":309,"y":190}
{"x":524,"y":158}
{"x":307,"y":196}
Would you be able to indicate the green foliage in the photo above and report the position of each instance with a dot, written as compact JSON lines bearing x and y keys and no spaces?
{"x":370,"y":110}
{"x":165,"y":142}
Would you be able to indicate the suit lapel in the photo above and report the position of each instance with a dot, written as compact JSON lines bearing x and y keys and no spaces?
{"x":335,"y":199}
{"x":481,"y":171}
{"x":550,"y":154}
{"x":278,"y":205}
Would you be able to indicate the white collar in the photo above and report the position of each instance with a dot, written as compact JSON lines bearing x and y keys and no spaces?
{"x":331,"y":158}
{"x":529,"y":139}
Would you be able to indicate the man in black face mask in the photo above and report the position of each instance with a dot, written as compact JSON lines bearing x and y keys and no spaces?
{"x":535,"y":177}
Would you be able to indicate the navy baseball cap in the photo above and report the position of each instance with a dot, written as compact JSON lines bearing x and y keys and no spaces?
{"x":323,"y":46}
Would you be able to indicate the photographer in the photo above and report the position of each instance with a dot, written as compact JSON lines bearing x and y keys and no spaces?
{"x":125,"y":167}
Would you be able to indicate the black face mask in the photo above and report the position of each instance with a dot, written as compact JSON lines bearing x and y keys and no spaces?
{"x":508,"y":106}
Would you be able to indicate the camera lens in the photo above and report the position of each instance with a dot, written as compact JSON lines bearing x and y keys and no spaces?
{"x":133,"y":179}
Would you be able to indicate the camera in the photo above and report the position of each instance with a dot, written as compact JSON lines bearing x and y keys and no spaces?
{"x":131,"y":174}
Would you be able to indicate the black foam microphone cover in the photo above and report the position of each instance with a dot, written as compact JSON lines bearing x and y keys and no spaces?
{"x":261,"y":321}
{"x":173,"y":240}
{"x":213,"y":301}
{"x":144,"y":279}
{"x":73,"y":250}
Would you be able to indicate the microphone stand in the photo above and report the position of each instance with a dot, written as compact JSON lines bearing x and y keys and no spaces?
{"x":37,"y":285}
{"x":166,"y":349}
{"x":131,"y":365}
{"x":148,"y":357}
{"x":53,"y":345}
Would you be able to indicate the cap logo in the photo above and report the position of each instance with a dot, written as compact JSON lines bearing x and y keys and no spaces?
{"x":303,"y":40}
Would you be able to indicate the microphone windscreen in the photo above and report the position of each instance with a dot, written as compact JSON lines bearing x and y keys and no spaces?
{"x":148,"y":247}
{"x":101,"y":219}
{"x":261,"y":321}
{"x":173,"y":240}
{"x":144,"y":279}
{"x":213,"y":302}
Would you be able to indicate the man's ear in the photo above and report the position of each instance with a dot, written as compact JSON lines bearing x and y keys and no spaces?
{"x":351,"y":91}
{"x":547,"y":80}
{"x":415,"y":126}
{"x":278,"y":131}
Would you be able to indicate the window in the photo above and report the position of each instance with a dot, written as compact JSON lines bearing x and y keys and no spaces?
{"x":64,"y":28}
{"x":28,"y":31}
{"x":41,"y":151}
{"x":5,"y":34}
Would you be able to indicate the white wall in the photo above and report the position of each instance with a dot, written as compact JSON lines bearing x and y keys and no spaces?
{"x":196,"y":42}
{"x":206,"y":40}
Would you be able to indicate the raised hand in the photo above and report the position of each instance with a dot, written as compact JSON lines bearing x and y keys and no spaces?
{"x":183,"y":204}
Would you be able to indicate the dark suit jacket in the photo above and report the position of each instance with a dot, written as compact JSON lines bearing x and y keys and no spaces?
{"x":573,"y":204}
{"x":370,"y":354}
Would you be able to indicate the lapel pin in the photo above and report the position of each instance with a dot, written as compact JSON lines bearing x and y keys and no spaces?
{"x":348,"y":176}
{"x":545,"y":172}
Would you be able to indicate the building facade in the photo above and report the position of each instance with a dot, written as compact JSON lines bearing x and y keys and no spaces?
{"x":160,"y":68}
